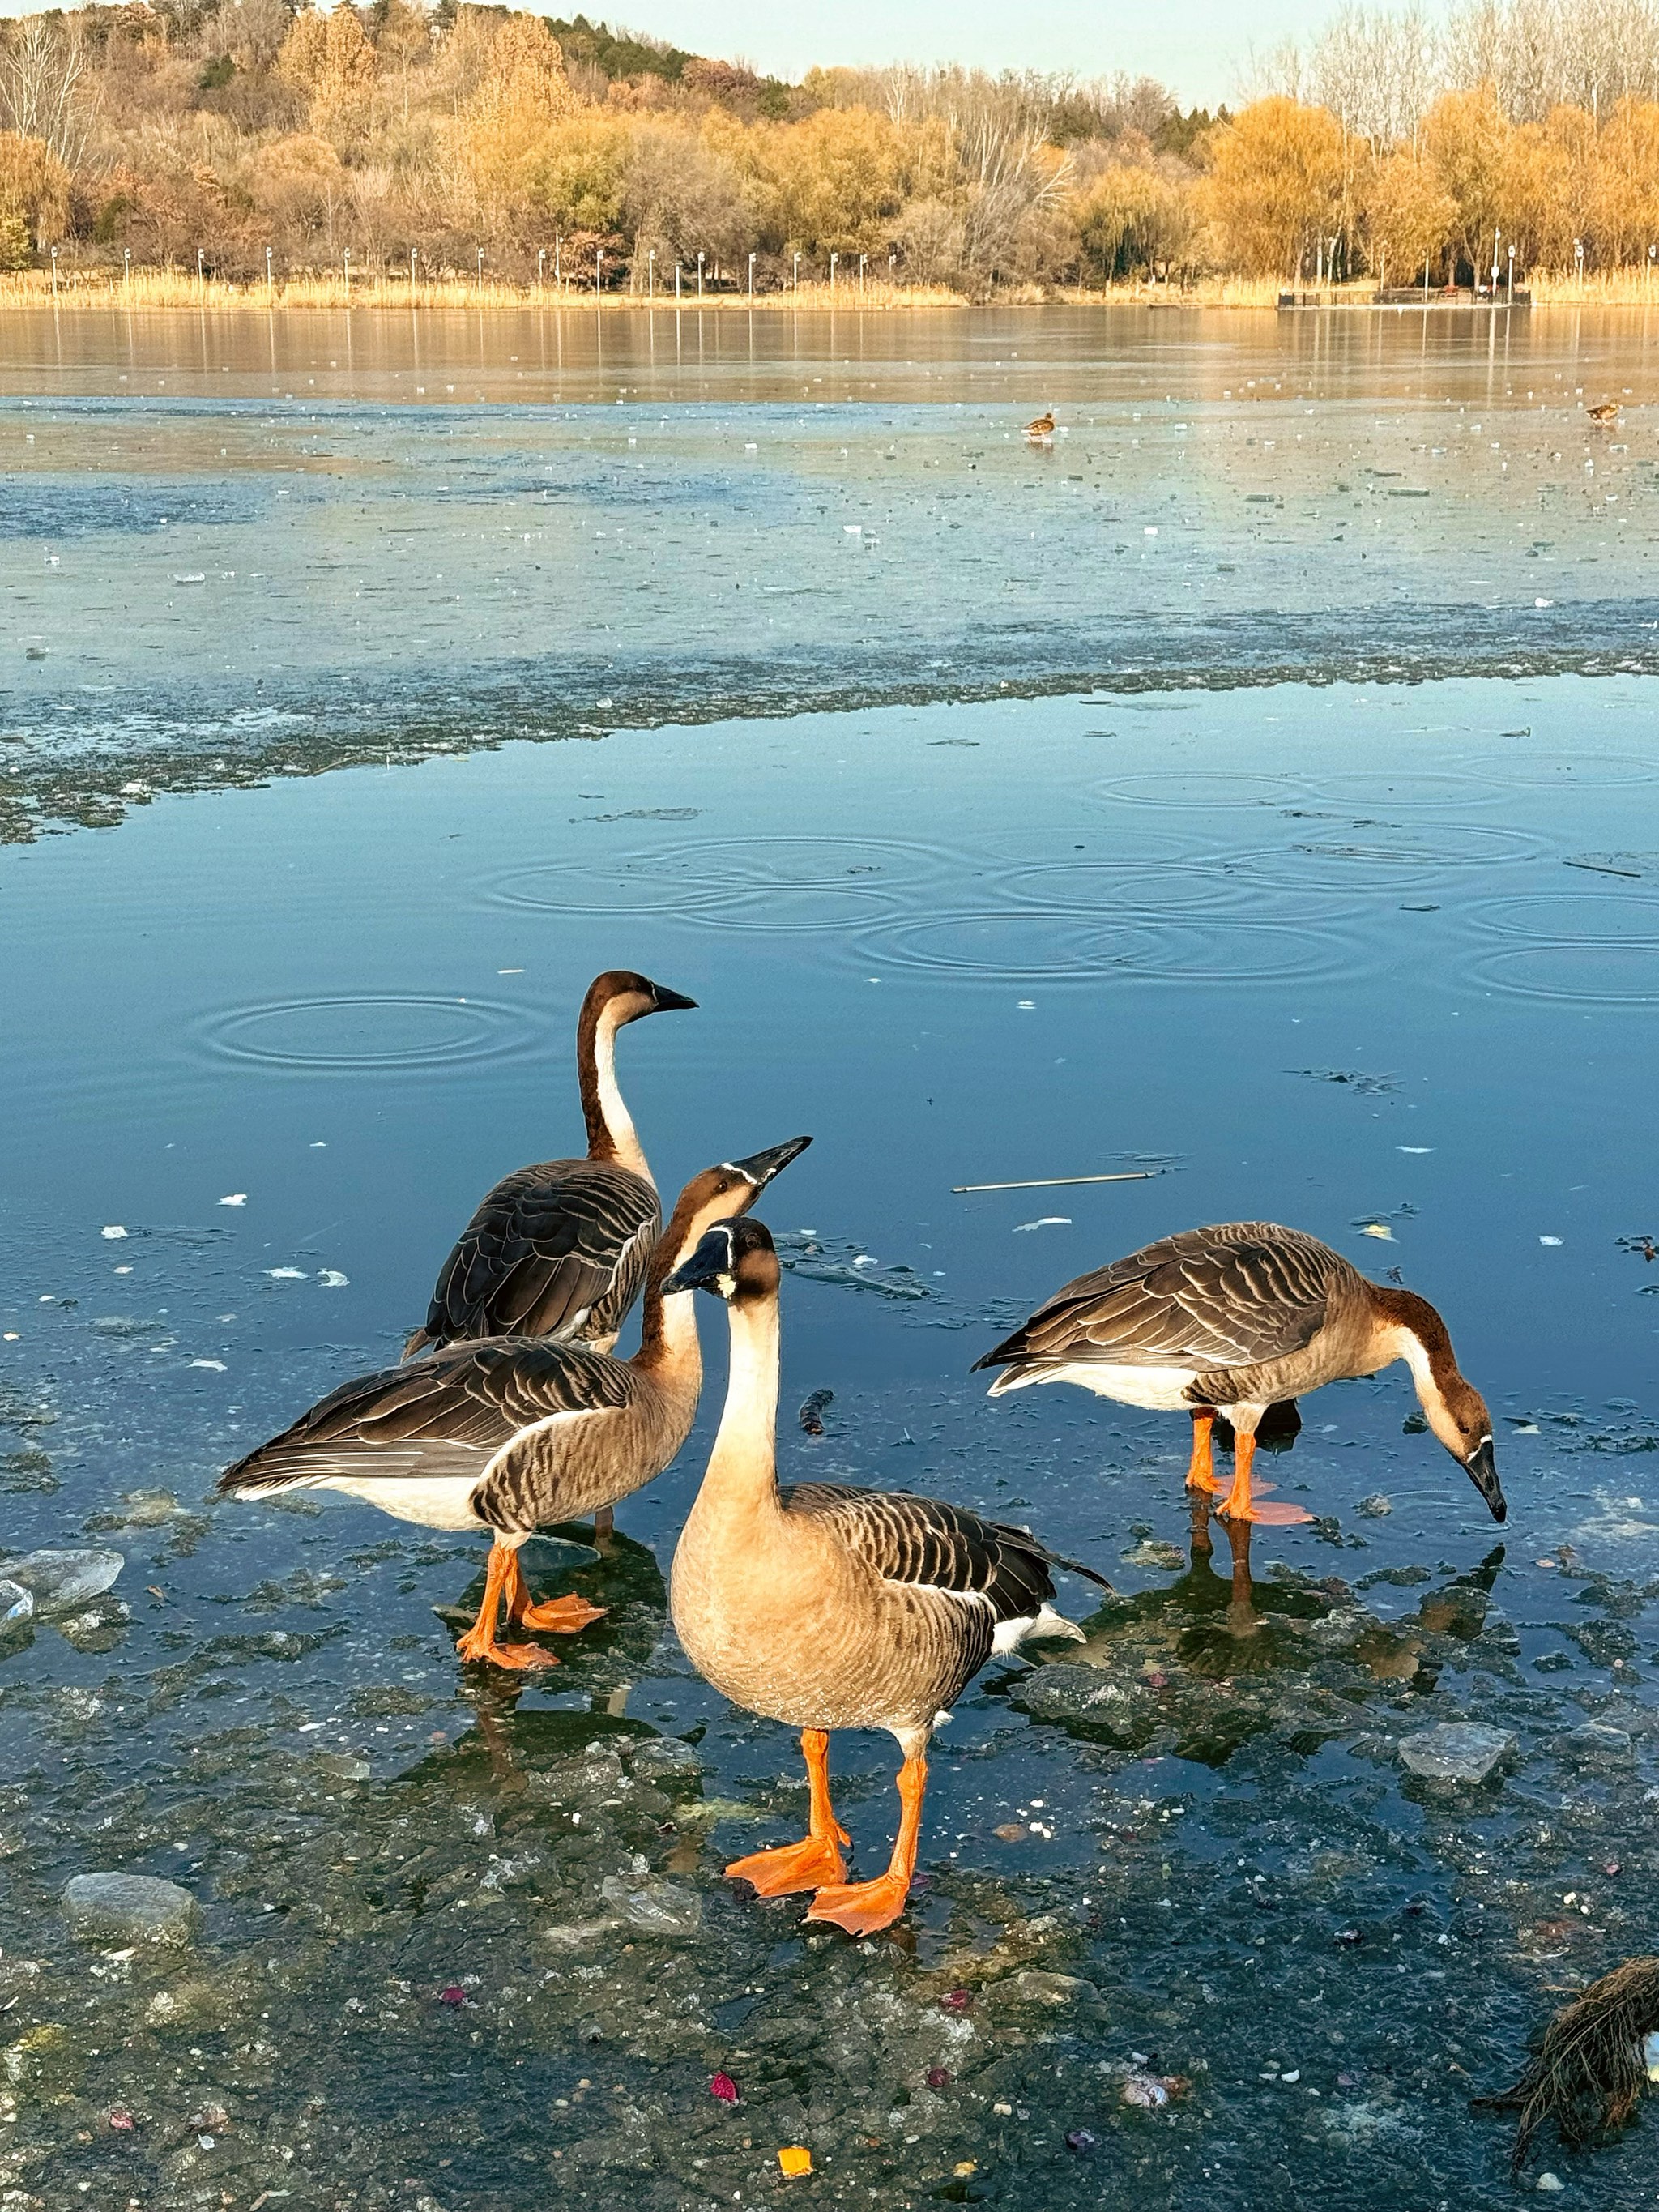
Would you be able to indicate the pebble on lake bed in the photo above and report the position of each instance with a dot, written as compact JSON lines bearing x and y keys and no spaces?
{"x":130,"y":1908}
{"x":1455,"y":1751}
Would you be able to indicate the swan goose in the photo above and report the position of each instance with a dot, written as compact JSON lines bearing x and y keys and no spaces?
{"x":514,"y":1436}
{"x":826,"y":1608}
{"x":1238,"y":1317}
{"x":561,"y":1250}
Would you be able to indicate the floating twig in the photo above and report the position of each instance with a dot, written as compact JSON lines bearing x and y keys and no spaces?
{"x":1053,"y":1183}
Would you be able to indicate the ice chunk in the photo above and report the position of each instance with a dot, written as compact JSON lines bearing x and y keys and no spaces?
{"x":1455,"y":1751}
{"x":17,"y":1604}
{"x":661,"y":1908}
{"x":60,"y":1581}
{"x":130,"y":1908}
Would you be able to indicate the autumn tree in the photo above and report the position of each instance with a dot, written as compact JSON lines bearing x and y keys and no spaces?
{"x":506,"y":129}
{"x":329,"y":60}
{"x":1130,"y":220}
{"x":1275,"y":186}
{"x":1469,"y":146}
{"x":34,"y":197}
{"x":1408,"y":218}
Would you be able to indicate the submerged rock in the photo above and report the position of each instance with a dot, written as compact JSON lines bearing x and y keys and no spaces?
{"x":61,"y":1581}
{"x":130,"y":1908}
{"x":1455,"y":1751}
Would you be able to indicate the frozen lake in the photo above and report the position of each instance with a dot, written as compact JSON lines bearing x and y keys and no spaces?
{"x":997,"y":836}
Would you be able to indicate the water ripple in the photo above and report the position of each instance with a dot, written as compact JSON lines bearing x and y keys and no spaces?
{"x":369,"y":1035}
{"x":1573,"y":918}
{"x":1576,"y":975}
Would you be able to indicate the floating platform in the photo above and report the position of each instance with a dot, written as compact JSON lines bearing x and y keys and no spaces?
{"x":1446,"y":295}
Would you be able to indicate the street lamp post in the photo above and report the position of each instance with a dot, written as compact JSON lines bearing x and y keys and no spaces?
{"x":700,"y":276}
{"x":797,"y":272}
{"x":1496,"y":235}
{"x":1578,"y":260}
{"x":126,"y":263}
{"x":598,"y":269}
{"x":833,"y":257}
{"x":54,"y":272}
{"x":414,"y":253}
{"x":751,"y":276}
{"x":651,"y":274}
{"x":863,"y":257}
{"x":201,"y":270}
{"x":558,"y":259}
{"x":1511,"y":276}
{"x":677,"y":280}
{"x":481,"y":272}
{"x":347,"y":256}
{"x":541,"y":267}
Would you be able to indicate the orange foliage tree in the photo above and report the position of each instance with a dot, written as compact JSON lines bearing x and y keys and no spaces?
{"x":1277,"y":174}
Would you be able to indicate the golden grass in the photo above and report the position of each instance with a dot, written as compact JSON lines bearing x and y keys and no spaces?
{"x":177,"y":287}
{"x":1607,"y":288}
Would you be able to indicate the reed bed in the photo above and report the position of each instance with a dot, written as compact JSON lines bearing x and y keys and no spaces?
{"x":176,"y":288}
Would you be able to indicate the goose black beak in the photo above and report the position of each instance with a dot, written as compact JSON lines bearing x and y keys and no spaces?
{"x":1482,"y":1470}
{"x":709,"y":1267}
{"x":670,"y":1002}
{"x":760,"y":1167}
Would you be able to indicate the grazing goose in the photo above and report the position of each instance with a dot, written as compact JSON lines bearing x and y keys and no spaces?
{"x":1239,"y":1317}
{"x":1608,"y":411}
{"x":514,"y":1436}
{"x":560,"y":1249}
{"x":831,"y":1609}
{"x":1041,"y":427}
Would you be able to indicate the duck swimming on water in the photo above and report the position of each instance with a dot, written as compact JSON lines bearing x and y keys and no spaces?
{"x":561,"y":1250}
{"x":830,"y":1608}
{"x":514,"y":1436}
{"x":1235,"y":1319}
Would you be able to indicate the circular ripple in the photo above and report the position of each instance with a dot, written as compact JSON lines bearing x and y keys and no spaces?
{"x":368,"y":1035}
{"x":1573,"y":975}
{"x":1197,"y":789}
{"x":859,"y":906}
{"x":1570,"y":918}
{"x":1247,"y":952}
{"x":800,"y":861}
{"x":1038,"y":947}
{"x":1411,"y":788}
{"x":1087,"y":886}
{"x":1338,"y":856}
{"x":1019,"y":946}
{"x":635,"y":886}
{"x":1586,"y":771}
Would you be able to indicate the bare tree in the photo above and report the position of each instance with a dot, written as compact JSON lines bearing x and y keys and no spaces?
{"x":42,"y":66}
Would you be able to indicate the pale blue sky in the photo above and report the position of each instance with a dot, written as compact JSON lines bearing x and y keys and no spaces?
{"x":1198,"y":49}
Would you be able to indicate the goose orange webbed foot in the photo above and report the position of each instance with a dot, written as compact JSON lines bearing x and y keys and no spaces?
{"x":815,"y":1862}
{"x":862,"y":1907}
{"x":558,"y":1616}
{"x":479,"y":1647}
{"x":1267,"y":1514}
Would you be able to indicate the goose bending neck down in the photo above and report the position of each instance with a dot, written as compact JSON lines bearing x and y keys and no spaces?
{"x":828,"y":1608}
{"x":1235,"y":1318}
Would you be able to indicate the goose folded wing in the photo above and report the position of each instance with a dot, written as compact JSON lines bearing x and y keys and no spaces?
{"x":1206,"y":1299}
{"x":927,"y":1543}
{"x":447,"y":1414}
{"x":545,"y":1247}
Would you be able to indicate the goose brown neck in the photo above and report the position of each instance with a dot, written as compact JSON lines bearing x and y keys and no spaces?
{"x":595,"y":1033}
{"x":1405,"y":1309}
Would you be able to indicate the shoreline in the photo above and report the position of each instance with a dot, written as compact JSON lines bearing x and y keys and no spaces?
{"x":152,"y":291}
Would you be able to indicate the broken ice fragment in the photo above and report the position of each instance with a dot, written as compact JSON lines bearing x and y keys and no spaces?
{"x":1048,"y":1221}
{"x":1380,"y":1230}
{"x":60,"y":1581}
{"x":286,"y":1274}
{"x":236,"y":1198}
{"x":333,"y":1280}
{"x":1455,"y":1751}
{"x":114,"y":1232}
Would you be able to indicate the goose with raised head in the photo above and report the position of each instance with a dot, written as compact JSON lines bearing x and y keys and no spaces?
{"x":561,"y":1250}
{"x":826,"y":1608}
{"x":1041,"y":429}
{"x":514,"y":1436}
{"x":1235,"y":1319}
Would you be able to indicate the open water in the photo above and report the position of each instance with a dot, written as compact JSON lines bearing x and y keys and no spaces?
{"x":1255,"y":788}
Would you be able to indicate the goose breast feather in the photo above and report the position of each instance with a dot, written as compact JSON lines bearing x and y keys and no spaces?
{"x":552,"y":1249}
{"x":1235,"y":1294}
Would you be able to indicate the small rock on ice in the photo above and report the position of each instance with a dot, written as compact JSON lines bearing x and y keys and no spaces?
{"x":60,"y":1581}
{"x":1455,"y":1751}
{"x":130,"y":1908}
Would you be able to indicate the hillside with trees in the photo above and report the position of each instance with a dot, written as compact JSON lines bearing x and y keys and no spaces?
{"x":404,"y":135}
